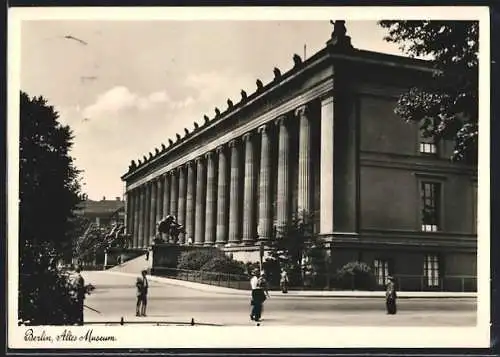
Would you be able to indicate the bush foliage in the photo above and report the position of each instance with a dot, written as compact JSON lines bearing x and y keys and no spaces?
{"x":355,"y":276}
{"x":44,"y":291}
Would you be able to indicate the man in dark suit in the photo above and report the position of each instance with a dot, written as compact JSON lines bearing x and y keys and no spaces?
{"x":142,"y":294}
{"x":390,"y":296}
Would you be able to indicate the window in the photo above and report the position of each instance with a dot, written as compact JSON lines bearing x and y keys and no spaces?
{"x":431,"y":270}
{"x":381,"y":269}
{"x":428,"y":145}
{"x":430,"y":206}
{"x":428,"y":148}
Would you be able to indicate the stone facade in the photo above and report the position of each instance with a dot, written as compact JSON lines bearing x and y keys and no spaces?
{"x":322,"y":138}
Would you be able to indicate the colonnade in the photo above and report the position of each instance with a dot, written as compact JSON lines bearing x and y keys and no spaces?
{"x":229,"y":195}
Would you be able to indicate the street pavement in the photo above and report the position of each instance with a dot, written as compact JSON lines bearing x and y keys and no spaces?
{"x":170,"y":304}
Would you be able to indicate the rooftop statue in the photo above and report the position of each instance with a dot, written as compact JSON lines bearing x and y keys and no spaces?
{"x":145,"y":158}
{"x":259,"y":84}
{"x":297,"y":60}
{"x":178,"y":136}
{"x":277,"y":73}
{"x":150,"y":155}
{"x":186,"y":131}
{"x":170,"y":142}
{"x":157,"y":151}
{"x":217,"y":111}
{"x":196,"y":126}
{"x":229,"y":103}
{"x":243,"y":95}
{"x":163,"y":147}
{"x":339,"y":37}
{"x":206,"y":118}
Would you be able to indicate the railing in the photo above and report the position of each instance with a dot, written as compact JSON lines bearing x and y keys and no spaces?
{"x":447,"y":283}
{"x":320,"y":282}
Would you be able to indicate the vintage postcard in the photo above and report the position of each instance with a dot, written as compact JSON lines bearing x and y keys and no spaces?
{"x":248,"y":177}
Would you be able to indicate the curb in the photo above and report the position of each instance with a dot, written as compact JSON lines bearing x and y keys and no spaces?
{"x":303,"y":294}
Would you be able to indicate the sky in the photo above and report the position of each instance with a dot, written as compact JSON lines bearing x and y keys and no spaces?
{"x":129,"y":86}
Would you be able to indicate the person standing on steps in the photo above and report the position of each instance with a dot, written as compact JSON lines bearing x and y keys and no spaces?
{"x":390,"y":297}
{"x":142,"y":294}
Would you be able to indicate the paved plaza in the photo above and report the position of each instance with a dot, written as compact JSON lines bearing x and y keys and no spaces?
{"x":115,"y":297}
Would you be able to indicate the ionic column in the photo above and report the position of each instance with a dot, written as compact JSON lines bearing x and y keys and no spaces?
{"x":159,"y":200}
{"x":128,"y":213}
{"x":222,"y":228}
{"x":181,"y":214}
{"x":304,"y":189}
{"x":147,"y":208}
{"x":326,"y":168}
{"x":166,"y":198}
{"x":142,"y":217}
{"x":282,"y":199}
{"x":128,"y":208}
{"x":199,"y":236}
{"x":249,"y":192}
{"x":130,"y":217}
{"x":234,"y":199}
{"x":210,"y":212}
{"x":152,"y":212}
{"x":137,"y":210}
{"x":166,"y":194}
{"x":173,"y":193}
{"x":190,"y":202}
{"x":265,"y":212}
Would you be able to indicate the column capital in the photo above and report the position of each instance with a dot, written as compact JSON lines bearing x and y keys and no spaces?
{"x":327,"y":98}
{"x":280,"y":120}
{"x":209,"y":155}
{"x":220,"y":149}
{"x":302,"y":111}
{"x":247,"y":136}
{"x":263,"y":129}
{"x":233,"y":143}
{"x":199,"y":159}
{"x":189,"y":164}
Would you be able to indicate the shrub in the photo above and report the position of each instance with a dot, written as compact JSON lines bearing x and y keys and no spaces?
{"x":195,"y":259}
{"x":224,"y":264}
{"x":355,"y":276}
{"x":44,"y":291}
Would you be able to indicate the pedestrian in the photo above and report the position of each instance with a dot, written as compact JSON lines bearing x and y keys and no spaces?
{"x":259,"y":294}
{"x":142,"y":294}
{"x":79,"y":290}
{"x":284,"y":281}
{"x":390,"y":296}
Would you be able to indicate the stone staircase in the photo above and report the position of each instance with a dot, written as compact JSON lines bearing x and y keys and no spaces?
{"x":134,"y":266}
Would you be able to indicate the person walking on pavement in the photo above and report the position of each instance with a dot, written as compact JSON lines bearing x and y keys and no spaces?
{"x":259,"y":294}
{"x":284,"y":281}
{"x":142,"y":294}
{"x":390,"y":296}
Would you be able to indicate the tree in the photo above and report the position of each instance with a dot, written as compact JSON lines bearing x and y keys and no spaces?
{"x":296,"y":243}
{"x":49,"y":182}
{"x":447,"y":107}
{"x":49,"y":190}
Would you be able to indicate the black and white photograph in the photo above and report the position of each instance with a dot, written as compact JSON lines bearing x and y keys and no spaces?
{"x":248,"y":177}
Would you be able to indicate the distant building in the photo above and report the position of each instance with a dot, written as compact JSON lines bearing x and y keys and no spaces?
{"x":104,"y":212}
{"x":321,"y":138}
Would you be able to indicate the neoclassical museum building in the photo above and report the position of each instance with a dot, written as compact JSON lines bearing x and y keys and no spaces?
{"x":321,"y":138}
